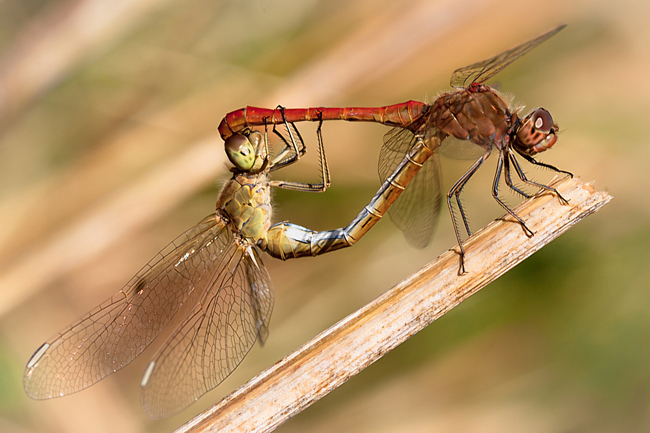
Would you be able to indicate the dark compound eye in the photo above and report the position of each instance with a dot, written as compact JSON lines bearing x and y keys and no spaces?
{"x":536,"y":133}
{"x":542,"y":121}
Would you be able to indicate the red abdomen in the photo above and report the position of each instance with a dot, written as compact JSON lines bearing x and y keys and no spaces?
{"x":393,"y":115}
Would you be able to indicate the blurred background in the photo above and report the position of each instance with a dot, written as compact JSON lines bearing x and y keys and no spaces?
{"x":108,"y":150}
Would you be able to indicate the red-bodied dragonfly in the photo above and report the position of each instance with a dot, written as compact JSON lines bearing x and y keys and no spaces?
{"x":211,"y":280}
{"x":473,"y":112}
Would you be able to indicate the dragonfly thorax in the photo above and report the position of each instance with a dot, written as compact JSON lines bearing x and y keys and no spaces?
{"x":477,"y":114}
{"x":246,"y":201}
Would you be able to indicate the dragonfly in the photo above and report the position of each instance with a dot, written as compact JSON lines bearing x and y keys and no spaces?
{"x":210,"y":282}
{"x":472,"y":112}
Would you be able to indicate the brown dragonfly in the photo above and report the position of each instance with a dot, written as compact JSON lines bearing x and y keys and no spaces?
{"x":472,"y":112}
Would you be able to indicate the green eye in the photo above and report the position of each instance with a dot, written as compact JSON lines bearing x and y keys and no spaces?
{"x":240,"y":152}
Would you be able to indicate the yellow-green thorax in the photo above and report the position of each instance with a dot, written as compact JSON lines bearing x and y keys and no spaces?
{"x":246,"y":199}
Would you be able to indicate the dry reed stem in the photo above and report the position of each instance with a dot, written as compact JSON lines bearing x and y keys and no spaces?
{"x":343,"y":350}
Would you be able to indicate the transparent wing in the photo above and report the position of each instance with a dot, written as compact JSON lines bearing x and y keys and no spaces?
{"x":416,"y":210}
{"x":479,"y":72}
{"x":113,"y":334}
{"x":216,"y":336}
{"x":466,"y":150}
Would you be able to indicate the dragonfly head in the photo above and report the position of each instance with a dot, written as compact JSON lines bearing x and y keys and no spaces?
{"x":246,"y":151}
{"x":536,"y":133}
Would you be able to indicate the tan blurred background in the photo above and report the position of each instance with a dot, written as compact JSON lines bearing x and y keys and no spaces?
{"x":108,"y":150}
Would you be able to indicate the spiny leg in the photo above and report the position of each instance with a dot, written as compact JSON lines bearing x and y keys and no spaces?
{"x":462,"y":210}
{"x":541,"y":164}
{"x":523,"y":177}
{"x":495,"y":194}
{"x":455,"y":191}
{"x":508,"y":178}
{"x":322,"y":158}
{"x":294,"y":147}
{"x":323,"y":168}
{"x":291,"y":146}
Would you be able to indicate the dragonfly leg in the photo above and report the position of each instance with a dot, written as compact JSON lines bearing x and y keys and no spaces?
{"x":294,"y":145}
{"x":495,"y":194}
{"x":455,"y":192}
{"x":523,"y":177}
{"x":286,"y":241}
{"x":323,"y":168}
{"x":508,"y":178}
{"x":461,"y":209}
{"x":541,"y":164}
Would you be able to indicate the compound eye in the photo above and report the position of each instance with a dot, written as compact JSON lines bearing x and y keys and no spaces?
{"x":542,"y":121}
{"x":536,"y":133}
{"x":240,"y":152}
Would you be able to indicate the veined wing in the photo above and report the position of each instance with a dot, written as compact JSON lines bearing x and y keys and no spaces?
{"x":416,"y":210}
{"x":113,"y":334}
{"x":481,"y":71}
{"x":465,"y":150}
{"x":215,"y":337}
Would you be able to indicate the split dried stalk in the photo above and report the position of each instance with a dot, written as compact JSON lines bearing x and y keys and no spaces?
{"x":345,"y":349}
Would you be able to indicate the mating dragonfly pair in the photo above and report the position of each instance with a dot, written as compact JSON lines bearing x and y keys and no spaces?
{"x":212,"y":276}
